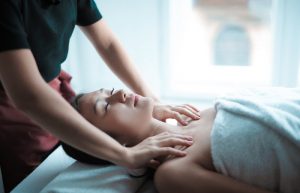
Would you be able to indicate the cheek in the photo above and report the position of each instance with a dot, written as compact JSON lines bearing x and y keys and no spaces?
{"x":132,"y":118}
{"x":145,"y":112}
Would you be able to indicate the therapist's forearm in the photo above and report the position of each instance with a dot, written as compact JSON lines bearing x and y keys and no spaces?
{"x":122,"y":66}
{"x":59,"y":118}
{"x":116,"y":58}
{"x":31,"y":94}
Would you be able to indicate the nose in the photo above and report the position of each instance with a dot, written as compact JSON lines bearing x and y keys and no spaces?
{"x":117,"y":97}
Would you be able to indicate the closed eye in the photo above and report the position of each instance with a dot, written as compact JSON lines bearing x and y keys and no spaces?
{"x":106,"y":106}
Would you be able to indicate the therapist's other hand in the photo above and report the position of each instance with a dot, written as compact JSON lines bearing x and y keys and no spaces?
{"x":179,"y":113}
{"x":144,"y":153}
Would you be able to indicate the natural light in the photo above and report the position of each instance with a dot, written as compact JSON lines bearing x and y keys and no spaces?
{"x":217,"y":46}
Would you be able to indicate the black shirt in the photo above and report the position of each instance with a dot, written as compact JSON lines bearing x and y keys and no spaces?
{"x":45,"y":28}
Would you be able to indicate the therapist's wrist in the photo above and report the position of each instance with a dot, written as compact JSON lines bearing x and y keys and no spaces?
{"x":154,"y":98}
{"x":128,"y":158}
{"x":147,"y":93}
{"x":124,"y":158}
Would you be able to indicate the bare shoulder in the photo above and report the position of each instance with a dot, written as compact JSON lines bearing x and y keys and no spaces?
{"x":200,"y":152}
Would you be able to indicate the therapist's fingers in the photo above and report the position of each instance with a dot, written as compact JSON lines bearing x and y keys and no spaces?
{"x":178,"y":117}
{"x":170,"y":142}
{"x":167,"y":139}
{"x":164,"y":143}
{"x":187,"y":111}
{"x":153,"y":147}
{"x":173,"y":135}
{"x":182,"y":119}
{"x":166,"y":151}
{"x":193,"y":107}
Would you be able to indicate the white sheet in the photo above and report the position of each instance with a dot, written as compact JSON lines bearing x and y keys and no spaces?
{"x":56,"y":162}
{"x":83,"y":178}
{"x":53,"y":176}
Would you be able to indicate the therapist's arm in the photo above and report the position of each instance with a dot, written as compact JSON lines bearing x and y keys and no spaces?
{"x":30,"y":93}
{"x":115,"y":57}
{"x":118,"y":61}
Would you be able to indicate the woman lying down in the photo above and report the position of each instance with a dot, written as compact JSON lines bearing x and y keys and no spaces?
{"x":245,"y":143}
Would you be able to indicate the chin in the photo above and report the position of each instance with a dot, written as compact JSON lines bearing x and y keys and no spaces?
{"x":150,"y":107}
{"x":146,"y":103}
{"x":150,"y":102}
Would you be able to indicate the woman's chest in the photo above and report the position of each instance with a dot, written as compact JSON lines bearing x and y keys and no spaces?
{"x":200,"y":151}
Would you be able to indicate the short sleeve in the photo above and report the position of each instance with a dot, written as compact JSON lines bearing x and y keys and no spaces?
{"x":12,"y":32}
{"x":87,"y":12}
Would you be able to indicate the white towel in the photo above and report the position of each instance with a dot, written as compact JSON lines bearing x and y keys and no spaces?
{"x":256,"y":138}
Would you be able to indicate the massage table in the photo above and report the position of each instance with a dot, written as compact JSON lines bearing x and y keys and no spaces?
{"x":60,"y":173}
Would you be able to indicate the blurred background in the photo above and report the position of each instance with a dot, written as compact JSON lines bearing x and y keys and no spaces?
{"x":194,"y":50}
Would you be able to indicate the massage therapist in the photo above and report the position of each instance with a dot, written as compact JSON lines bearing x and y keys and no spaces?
{"x":34,"y":91}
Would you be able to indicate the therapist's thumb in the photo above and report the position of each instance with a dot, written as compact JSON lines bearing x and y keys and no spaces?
{"x":153,"y":164}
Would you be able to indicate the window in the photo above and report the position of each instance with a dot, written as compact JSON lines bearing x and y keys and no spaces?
{"x":232,"y":46}
{"x":218,"y":45}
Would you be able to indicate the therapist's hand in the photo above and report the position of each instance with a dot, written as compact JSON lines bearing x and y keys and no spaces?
{"x":144,"y":153}
{"x":179,"y":112}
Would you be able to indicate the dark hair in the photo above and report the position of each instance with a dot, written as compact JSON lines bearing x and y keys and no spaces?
{"x":75,"y":153}
{"x":75,"y":101}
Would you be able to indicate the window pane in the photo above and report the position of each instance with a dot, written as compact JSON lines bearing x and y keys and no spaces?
{"x":216,"y":45}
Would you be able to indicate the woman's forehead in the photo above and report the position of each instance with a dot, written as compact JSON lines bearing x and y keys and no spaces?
{"x":95,"y":94}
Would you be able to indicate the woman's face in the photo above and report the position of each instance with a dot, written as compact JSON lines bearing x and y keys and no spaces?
{"x":124,"y":116}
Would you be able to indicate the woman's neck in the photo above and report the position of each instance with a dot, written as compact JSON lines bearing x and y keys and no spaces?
{"x":158,"y":127}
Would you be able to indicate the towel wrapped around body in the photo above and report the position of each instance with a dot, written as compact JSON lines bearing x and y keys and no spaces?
{"x":256,"y":138}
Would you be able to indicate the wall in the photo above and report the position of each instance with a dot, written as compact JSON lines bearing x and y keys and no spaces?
{"x":137,"y":24}
{"x":142,"y":28}
{"x":286,"y":14}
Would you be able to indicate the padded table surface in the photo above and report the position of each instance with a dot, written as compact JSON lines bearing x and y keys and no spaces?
{"x":61,"y":173}
{"x":56,"y":162}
